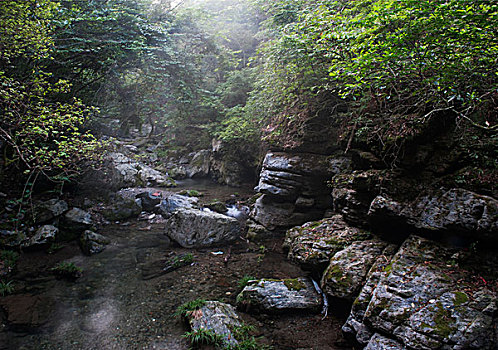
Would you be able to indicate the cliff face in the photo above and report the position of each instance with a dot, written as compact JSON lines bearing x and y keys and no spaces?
{"x":409,"y":238}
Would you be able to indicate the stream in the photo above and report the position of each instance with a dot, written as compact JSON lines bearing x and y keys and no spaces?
{"x":116,"y":305}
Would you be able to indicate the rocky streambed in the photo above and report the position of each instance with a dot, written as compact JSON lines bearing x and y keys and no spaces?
{"x":126,"y":297}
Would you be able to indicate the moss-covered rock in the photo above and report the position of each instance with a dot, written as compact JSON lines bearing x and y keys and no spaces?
{"x":313,"y":244}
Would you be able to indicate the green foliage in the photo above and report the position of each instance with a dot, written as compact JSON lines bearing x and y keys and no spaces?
{"x":189,"y":306}
{"x":6,"y":288}
{"x":204,"y":336}
{"x":67,"y":270}
{"x":41,"y":133}
{"x":245,"y":340}
{"x":8,"y":259}
{"x":397,"y":64}
{"x":245,"y":280}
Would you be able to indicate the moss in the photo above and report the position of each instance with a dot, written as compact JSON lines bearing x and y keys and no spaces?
{"x":294,"y":284}
{"x":444,"y":322}
{"x":460,"y":298}
{"x":336,"y":275}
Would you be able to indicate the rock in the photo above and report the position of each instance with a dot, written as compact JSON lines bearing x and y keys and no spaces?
{"x":93,"y":243}
{"x":175,"y":201}
{"x":126,"y":172}
{"x":217,"y":317}
{"x":121,"y":207}
{"x":274,"y":215}
{"x":346,"y":273}
{"x":423,"y":303}
{"x":44,"y":235}
{"x":457,"y":211}
{"x":49,"y":210}
{"x":75,"y":222}
{"x":199,"y":164}
{"x":256,"y":232}
{"x":197,"y":228}
{"x":27,"y":311}
{"x":294,"y":188}
{"x":313,"y":244}
{"x":379,"y":342}
{"x":280,"y":295}
{"x":149,"y":200}
{"x":218,"y":207}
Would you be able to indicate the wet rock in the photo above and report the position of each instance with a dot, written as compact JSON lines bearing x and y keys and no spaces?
{"x":121,"y":207}
{"x":217,"y":317}
{"x":93,"y":243}
{"x":44,"y":235}
{"x":149,"y":200}
{"x":313,"y":244}
{"x":218,"y":207}
{"x":49,"y":210}
{"x":175,"y":202}
{"x":457,"y":211}
{"x":199,"y":228}
{"x":425,"y":304}
{"x":280,"y":295}
{"x":348,"y":268}
{"x":27,"y":311}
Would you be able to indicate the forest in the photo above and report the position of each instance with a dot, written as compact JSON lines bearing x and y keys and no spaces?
{"x":367,"y":128}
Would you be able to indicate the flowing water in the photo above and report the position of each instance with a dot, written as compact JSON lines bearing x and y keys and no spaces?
{"x":117,"y":305}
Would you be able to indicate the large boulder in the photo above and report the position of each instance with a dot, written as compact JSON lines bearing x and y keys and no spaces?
{"x":49,"y":210}
{"x":43,"y":236}
{"x":313,"y":244}
{"x":199,"y":164}
{"x":75,"y":222}
{"x":218,"y":318}
{"x":121,"y":206}
{"x":272,"y":296}
{"x":193,"y":228}
{"x":424,"y":302}
{"x":457,"y":211}
{"x":347,"y":271}
{"x":175,"y":202}
{"x":294,"y":188}
{"x":126,"y":172}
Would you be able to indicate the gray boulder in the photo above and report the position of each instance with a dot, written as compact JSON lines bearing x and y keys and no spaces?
{"x":273,"y":296}
{"x":75,"y":222}
{"x":175,"y":202}
{"x":93,"y":243}
{"x":121,"y":206}
{"x":347,"y":271}
{"x":313,"y":244}
{"x":44,"y":235}
{"x":49,"y":210}
{"x":199,"y":164}
{"x":458,"y":211}
{"x":126,"y":172}
{"x":294,"y":188}
{"x":424,"y":303}
{"x":193,"y":228}
{"x":217,"y":317}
